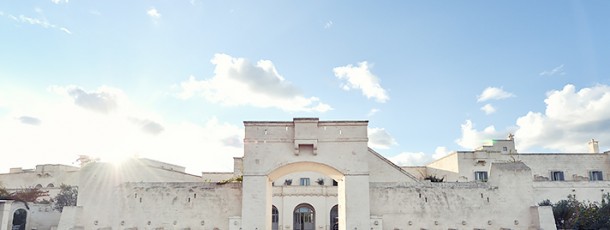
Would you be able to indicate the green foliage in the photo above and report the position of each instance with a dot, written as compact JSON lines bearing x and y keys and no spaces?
{"x":433,"y":178}
{"x":67,"y":196}
{"x":3,"y":193}
{"x":238,"y":179}
{"x":573,"y":214}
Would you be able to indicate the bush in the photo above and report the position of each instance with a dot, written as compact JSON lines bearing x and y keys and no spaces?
{"x":67,"y":196}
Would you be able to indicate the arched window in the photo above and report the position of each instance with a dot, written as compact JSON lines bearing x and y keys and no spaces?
{"x":334,"y":217}
{"x":39,"y":186}
{"x":19,"y":219}
{"x":304,"y":217}
{"x":275,"y":217}
{"x":50,"y":185}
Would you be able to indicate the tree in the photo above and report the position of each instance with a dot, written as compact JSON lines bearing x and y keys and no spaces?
{"x":3,"y":193}
{"x":67,"y":196}
{"x":572,"y":214}
{"x":28,"y":194}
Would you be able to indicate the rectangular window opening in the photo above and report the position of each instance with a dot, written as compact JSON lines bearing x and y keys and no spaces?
{"x":480,"y":176}
{"x":557,"y":176}
{"x":596,"y":176}
{"x":304,"y":182}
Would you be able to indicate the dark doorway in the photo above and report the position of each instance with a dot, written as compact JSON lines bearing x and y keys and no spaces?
{"x":334,"y":218}
{"x":304,"y":217}
{"x":275,"y":216}
{"x":19,"y":219}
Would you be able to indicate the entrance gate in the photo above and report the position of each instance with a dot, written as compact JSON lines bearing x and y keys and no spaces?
{"x":337,"y":149}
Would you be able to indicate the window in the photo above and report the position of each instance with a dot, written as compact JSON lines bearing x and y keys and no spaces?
{"x":596,"y":176}
{"x":557,"y":176}
{"x":504,"y":148}
{"x":480,"y":176}
{"x":304,"y":182}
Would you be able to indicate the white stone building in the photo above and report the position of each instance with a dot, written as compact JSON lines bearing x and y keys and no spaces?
{"x":309,"y":174}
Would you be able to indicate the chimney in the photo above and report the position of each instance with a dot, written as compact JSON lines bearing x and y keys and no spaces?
{"x":593,"y":146}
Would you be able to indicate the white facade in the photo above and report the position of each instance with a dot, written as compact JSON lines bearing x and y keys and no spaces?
{"x":301,"y":174}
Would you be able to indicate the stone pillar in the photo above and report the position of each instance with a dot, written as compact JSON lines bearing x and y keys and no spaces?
{"x":354,"y":202}
{"x":256,"y":203}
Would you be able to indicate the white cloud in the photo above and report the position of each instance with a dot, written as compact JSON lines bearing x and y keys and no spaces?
{"x":238,"y":82}
{"x":418,"y":158}
{"x":29,"y":120}
{"x":493,"y":93}
{"x":372,"y":112}
{"x":328,"y":24}
{"x":153,"y":13}
{"x":472,"y":138}
{"x":555,"y":71}
{"x":570,"y":120}
{"x":379,"y":138}
{"x":360,"y":77}
{"x":60,"y":1}
{"x":104,"y":99}
{"x":36,"y":21}
{"x":440,"y":152}
{"x":410,"y":159}
{"x":488,"y":109}
{"x":70,"y":129}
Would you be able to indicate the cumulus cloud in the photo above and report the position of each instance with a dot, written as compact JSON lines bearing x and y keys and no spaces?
{"x":493,"y":93}
{"x":360,"y":77}
{"x":233,"y":141}
{"x":440,"y":152}
{"x":570,"y":120}
{"x":29,"y":120}
{"x":103,"y":100}
{"x":488,"y":109}
{"x":238,"y":82}
{"x":379,"y":138}
{"x":69,"y":131}
{"x":555,"y":71}
{"x":153,"y":13}
{"x":410,"y":159}
{"x":472,"y":138}
{"x":148,"y":126}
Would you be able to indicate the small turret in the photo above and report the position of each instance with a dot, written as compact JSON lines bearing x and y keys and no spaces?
{"x":593,"y":146}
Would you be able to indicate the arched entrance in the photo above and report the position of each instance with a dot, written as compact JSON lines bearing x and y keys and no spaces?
{"x":304,"y":217}
{"x":19,"y":219}
{"x":336,"y":149}
{"x":275,"y":217}
{"x":334,"y":218}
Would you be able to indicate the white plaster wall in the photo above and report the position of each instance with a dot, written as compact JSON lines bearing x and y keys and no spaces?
{"x":492,"y":205}
{"x":43,"y":217}
{"x":44,"y":175}
{"x":554,"y":191}
{"x":216,"y":176}
{"x":176,"y":205}
{"x":98,"y":187}
{"x":383,"y":170}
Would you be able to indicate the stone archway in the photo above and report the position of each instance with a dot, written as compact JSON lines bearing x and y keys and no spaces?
{"x":337,"y":149}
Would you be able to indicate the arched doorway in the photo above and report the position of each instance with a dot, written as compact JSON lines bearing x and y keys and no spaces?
{"x":19,"y":219}
{"x":304,"y":217}
{"x":334,"y":218}
{"x":275,"y":216}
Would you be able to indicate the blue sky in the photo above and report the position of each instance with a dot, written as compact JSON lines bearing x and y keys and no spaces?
{"x":173,"y":80}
